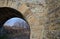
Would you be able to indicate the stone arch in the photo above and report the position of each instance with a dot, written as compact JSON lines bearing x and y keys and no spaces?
{"x":28,"y":15}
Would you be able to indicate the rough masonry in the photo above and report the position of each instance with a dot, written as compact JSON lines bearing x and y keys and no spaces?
{"x":42,"y":16}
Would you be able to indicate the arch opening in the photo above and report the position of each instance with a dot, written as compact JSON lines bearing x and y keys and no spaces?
{"x":7,"y":13}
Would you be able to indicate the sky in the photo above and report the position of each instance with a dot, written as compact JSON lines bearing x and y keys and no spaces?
{"x":17,"y":22}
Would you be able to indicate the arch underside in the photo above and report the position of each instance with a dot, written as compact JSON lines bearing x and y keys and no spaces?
{"x":7,"y":13}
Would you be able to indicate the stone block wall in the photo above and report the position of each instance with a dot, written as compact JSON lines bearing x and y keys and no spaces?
{"x":42,"y":16}
{"x":53,"y":26}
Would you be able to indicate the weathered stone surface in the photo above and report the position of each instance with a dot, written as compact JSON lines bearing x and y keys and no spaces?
{"x":43,"y":16}
{"x":32,"y":15}
{"x":23,"y":8}
{"x":53,"y":28}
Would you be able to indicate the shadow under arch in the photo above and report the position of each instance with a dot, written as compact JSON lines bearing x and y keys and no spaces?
{"x":7,"y":13}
